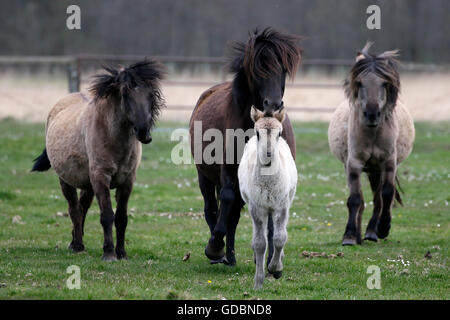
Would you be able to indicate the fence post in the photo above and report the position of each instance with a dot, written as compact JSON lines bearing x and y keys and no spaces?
{"x":73,"y":73}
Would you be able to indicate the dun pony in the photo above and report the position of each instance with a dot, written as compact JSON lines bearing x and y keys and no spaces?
{"x":372,"y":132}
{"x":94,"y":144}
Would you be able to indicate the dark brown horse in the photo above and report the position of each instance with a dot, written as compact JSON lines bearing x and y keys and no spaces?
{"x":259,"y":66}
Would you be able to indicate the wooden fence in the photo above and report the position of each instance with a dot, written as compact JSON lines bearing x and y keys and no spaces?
{"x":74,"y":67}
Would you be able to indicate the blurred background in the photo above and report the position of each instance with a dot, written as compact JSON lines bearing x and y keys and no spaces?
{"x":41,"y":59}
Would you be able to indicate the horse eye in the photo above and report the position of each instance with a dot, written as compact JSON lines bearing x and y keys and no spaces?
{"x":257,"y":135}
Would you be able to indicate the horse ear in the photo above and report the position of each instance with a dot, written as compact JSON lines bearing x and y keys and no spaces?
{"x":255,"y":114}
{"x":359,"y":56}
{"x":280,"y":115}
{"x":364,"y":51}
{"x":389,"y":54}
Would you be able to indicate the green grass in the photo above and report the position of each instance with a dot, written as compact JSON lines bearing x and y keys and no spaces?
{"x":166,"y":223}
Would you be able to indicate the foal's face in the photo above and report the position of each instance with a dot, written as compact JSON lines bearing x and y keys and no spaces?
{"x":137,"y":103}
{"x":268,"y":93}
{"x":371,"y":98}
{"x":268,"y":132}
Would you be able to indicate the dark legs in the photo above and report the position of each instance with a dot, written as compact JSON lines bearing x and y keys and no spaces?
{"x":233,"y":221}
{"x":375,"y":182}
{"x":76,"y":215}
{"x":100,"y":185}
{"x":355,"y":204}
{"x":208,"y":190}
{"x":387,"y":194}
{"x":86,"y":197}
{"x":222,"y":222}
{"x":121,"y":217}
{"x":270,"y":238}
{"x":78,"y":211}
{"x":382,"y":184}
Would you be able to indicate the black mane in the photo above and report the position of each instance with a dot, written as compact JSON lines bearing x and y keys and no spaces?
{"x":265,"y":54}
{"x":119,"y":81}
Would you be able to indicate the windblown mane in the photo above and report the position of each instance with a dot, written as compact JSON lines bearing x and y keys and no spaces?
{"x":117,"y":82}
{"x":266,"y":53}
{"x":384,"y":66}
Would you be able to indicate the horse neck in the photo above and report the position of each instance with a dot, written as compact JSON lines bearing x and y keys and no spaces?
{"x":116,"y":126}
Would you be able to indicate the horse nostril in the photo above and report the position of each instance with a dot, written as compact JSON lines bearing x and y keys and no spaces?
{"x":269,"y":154}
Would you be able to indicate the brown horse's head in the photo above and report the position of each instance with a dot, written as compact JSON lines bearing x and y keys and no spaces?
{"x":136,"y":91}
{"x":373,"y":85}
{"x":260,"y":66}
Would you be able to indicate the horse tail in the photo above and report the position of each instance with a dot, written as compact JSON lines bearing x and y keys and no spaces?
{"x":398,"y":189}
{"x":41,"y":163}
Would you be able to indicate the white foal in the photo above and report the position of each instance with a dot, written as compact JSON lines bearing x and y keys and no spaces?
{"x":267,"y":180}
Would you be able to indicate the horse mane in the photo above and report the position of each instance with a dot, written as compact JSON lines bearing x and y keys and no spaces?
{"x":383,"y":65}
{"x":266,"y":53}
{"x":119,"y":81}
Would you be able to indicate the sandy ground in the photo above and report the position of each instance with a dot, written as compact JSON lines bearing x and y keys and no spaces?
{"x":29,"y":97}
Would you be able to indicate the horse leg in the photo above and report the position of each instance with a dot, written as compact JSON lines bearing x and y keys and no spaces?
{"x":233,"y":221}
{"x":76,"y":215}
{"x":86,"y":197}
{"x":259,"y":244}
{"x":208,"y":190}
{"x":354,"y":202}
{"x":270,"y":238}
{"x":214,"y":248}
{"x":359,"y":220}
{"x":371,"y":231}
{"x":387,"y":194}
{"x":121,"y":218}
{"x":280,"y":219}
{"x":100,"y":185}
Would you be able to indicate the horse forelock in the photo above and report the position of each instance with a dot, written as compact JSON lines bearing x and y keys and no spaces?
{"x":384,"y":66}
{"x":115,"y":83}
{"x":267,"y":53}
{"x":118,"y":81}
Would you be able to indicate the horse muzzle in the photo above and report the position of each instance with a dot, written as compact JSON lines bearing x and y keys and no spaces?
{"x":372,"y":119}
{"x":143,"y":135}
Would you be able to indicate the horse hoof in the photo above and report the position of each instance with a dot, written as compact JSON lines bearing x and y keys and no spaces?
{"x":349,"y":242}
{"x":383,"y":229}
{"x":121,"y":254}
{"x":276,"y":274}
{"x":371,"y":236}
{"x":230,"y":259}
{"x":221,"y":260}
{"x":383,"y":232}
{"x":76,"y":247}
{"x":109,"y":257}
{"x":214,"y":254}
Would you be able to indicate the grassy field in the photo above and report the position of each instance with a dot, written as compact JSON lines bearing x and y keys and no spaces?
{"x":166,"y":222}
